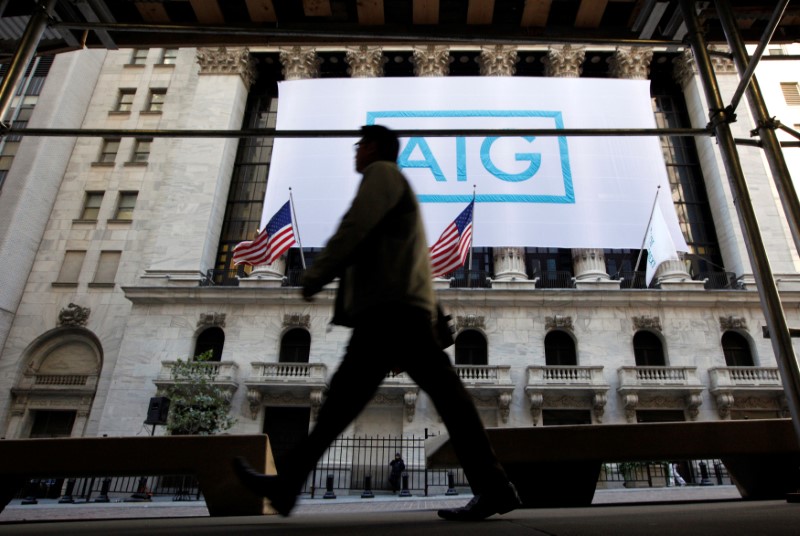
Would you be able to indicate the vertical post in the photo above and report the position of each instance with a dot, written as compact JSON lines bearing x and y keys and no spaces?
{"x":766,"y":132}
{"x":25,"y":51}
{"x":765,"y":282}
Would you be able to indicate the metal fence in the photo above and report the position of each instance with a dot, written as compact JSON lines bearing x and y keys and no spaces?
{"x":657,"y":474}
{"x":112,"y":489}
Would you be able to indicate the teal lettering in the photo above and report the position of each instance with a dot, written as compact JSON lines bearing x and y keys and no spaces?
{"x":535,"y":160}
{"x":429,"y":161}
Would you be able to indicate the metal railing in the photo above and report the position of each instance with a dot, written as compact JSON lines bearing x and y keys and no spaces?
{"x":657,"y":474}
{"x":470,"y":279}
{"x":719,"y":281}
{"x":554,"y":279}
{"x":113,"y":489}
{"x":630,"y":280}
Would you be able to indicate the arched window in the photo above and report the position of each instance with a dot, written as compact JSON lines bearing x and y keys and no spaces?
{"x":648,"y":350}
{"x":736,"y":350}
{"x":559,"y":349}
{"x":210,"y":339}
{"x":295,"y":346}
{"x":471,"y":348}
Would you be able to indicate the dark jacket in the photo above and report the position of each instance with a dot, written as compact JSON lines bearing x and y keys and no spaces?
{"x":379,"y":251}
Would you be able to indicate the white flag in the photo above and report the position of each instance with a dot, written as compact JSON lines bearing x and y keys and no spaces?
{"x":659,"y":244}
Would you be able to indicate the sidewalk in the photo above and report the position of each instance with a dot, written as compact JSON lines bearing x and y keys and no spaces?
{"x":165,"y":507}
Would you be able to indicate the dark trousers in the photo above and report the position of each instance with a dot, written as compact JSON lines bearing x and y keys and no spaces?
{"x":399,"y":337}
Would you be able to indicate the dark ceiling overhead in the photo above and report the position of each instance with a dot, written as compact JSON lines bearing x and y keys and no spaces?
{"x":143,"y":23}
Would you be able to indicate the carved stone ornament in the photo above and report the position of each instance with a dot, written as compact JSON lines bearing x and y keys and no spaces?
{"x":296,"y":320}
{"x":210,"y":320}
{"x":299,"y":63}
{"x":632,"y":63}
{"x":730,"y":322}
{"x":470,"y":321}
{"x":504,"y":406}
{"x":365,"y":62}
{"x":410,"y":404}
{"x":224,"y":60}
{"x":722,"y":63}
{"x":599,"y":406}
{"x":558,"y":322}
{"x":431,"y":60}
{"x":683,"y":69}
{"x":254,"y":399}
{"x":499,"y":60}
{"x":536,"y":402}
{"x":725,"y":401}
{"x":564,"y":61}
{"x":73,"y":315}
{"x":315,"y":398}
{"x":647,"y":322}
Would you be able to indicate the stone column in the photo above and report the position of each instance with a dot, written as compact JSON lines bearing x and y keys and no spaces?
{"x":365,"y":61}
{"x":509,"y":262}
{"x":431,"y":60}
{"x":299,"y":63}
{"x":633,"y":63}
{"x":589,"y":265}
{"x":729,"y":232}
{"x":191,"y":204}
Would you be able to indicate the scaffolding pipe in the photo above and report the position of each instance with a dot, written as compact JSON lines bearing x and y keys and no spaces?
{"x":339,"y":38}
{"x":765,"y":282}
{"x":724,"y":11}
{"x":769,"y":139}
{"x":271,"y":132}
{"x":25,"y":51}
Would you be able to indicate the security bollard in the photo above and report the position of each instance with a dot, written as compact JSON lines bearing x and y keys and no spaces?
{"x":451,"y":481}
{"x":367,"y":493}
{"x":704,"y":480}
{"x":31,"y":491}
{"x":718,"y":472}
{"x":103,"y":497}
{"x":404,"y":492}
{"x":329,"y":488}
{"x":67,"y":498}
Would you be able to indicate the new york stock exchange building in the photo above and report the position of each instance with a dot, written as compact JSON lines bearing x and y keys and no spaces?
{"x":118,"y":251}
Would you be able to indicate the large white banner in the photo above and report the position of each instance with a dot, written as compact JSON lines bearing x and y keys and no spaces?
{"x":542,"y":191}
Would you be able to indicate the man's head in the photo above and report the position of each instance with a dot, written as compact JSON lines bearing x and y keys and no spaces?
{"x":377,"y":143}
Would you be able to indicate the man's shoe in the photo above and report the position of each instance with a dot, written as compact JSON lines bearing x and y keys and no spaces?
{"x":280,"y":495}
{"x":483,"y":506}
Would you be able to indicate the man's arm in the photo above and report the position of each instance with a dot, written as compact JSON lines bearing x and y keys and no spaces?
{"x":380,"y":190}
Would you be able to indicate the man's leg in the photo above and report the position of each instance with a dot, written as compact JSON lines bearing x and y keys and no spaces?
{"x":351,"y":388}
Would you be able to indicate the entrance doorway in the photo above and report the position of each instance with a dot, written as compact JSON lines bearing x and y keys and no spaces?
{"x":286,"y":427}
{"x":48,"y":423}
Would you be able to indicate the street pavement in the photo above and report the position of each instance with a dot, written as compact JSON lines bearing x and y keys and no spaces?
{"x":710,"y":511}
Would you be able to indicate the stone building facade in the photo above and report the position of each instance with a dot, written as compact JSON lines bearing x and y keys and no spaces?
{"x":116,"y":262}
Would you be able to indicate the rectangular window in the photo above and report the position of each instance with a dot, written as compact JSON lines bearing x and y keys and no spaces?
{"x":125,"y":206}
{"x":791,"y":93}
{"x":141,"y":150}
{"x":156,"y":101}
{"x":139,"y":56}
{"x":169,"y":56}
{"x":125,"y":100}
{"x":107,"y":266}
{"x":91,"y":205}
{"x":71,"y":267}
{"x":108,"y":153}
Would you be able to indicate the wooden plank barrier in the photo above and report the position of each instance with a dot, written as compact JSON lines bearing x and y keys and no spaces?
{"x":207,"y":457}
{"x":559,"y":465}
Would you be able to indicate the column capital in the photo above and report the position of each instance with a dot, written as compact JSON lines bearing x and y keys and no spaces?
{"x":223,"y":60}
{"x":498,"y":60}
{"x":631,"y":62}
{"x":299,"y":63}
{"x":431,"y":60}
{"x":564,"y":61}
{"x":365,"y":61}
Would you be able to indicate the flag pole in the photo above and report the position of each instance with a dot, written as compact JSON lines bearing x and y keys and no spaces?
{"x":649,"y":221}
{"x":472,"y":239}
{"x":296,"y":229}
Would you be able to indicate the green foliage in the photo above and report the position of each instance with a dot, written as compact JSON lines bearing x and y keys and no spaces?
{"x":197,"y":406}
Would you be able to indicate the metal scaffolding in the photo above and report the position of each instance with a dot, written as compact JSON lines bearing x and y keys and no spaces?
{"x":720,"y":118}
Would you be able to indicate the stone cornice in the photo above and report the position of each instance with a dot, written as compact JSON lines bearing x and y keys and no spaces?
{"x":469,"y":298}
{"x":222,"y":60}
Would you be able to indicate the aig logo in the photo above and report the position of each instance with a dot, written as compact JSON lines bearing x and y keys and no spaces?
{"x":504,"y":169}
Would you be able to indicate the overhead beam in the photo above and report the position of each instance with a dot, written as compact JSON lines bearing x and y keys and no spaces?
{"x":535,"y":13}
{"x":207,"y":11}
{"x":480,"y":12}
{"x":261,"y":10}
{"x":426,"y":12}
{"x":370,"y":12}
{"x":590,"y":13}
{"x":317,"y":8}
{"x":152,"y":11}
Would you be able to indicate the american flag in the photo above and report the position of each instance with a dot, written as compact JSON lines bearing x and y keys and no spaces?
{"x":450,"y":251}
{"x":271,"y":243}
